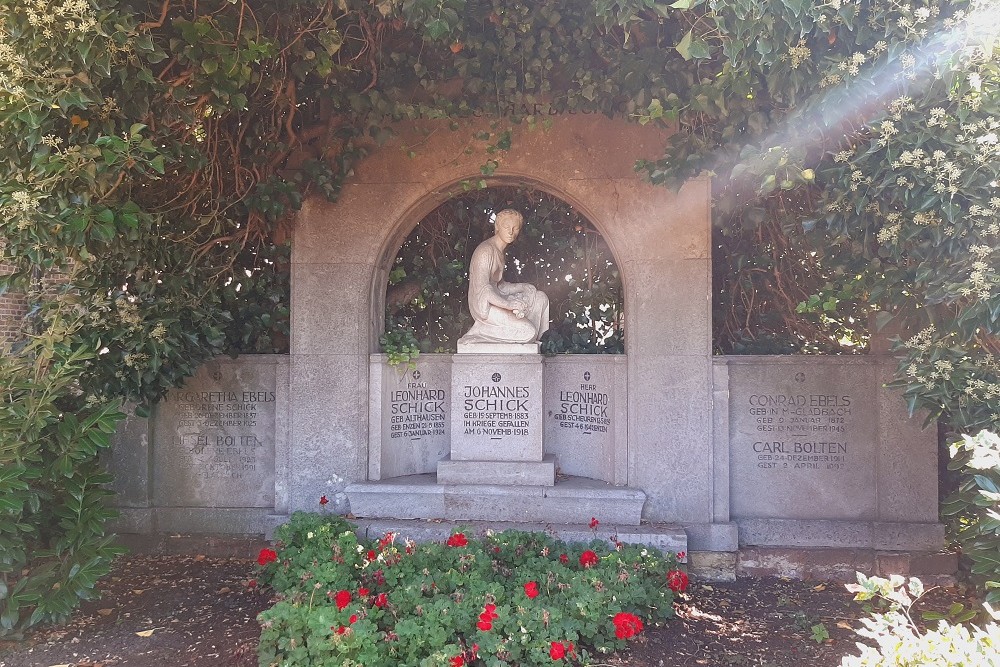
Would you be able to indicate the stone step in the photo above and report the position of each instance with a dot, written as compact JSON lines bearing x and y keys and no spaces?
{"x":572,"y":500}
{"x":665,"y":538}
{"x":506,"y":473}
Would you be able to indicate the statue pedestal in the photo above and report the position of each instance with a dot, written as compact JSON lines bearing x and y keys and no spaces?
{"x":496,"y":421}
{"x":498,"y":348}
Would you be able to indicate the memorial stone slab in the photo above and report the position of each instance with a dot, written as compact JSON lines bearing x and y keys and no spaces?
{"x":496,"y":407}
{"x":803,"y":439}
{"x":214,"y":438}
{"x":411,"y":409}
{"x":585,"y":415}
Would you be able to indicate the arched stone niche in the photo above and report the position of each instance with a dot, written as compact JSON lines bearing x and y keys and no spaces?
{"x":342,"y":253}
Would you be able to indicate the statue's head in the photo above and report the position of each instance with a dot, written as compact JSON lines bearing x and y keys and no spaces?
{"x":508,"y":224}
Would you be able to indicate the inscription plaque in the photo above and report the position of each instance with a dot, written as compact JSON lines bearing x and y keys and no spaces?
{"x":214,"y":439}
{"x":496,"y":408}
{"x":411,"y":410}
{"x":803,"y":439}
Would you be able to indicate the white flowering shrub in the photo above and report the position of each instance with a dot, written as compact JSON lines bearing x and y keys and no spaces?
{"x":974,"y":508}
{"x":895,"y":640}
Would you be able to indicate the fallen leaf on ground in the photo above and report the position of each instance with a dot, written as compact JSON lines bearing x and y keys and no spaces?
{"x":146,"y":633}
{"x":105,"y":612}
{"x":821,"y":587}
{"x":844,"y":625}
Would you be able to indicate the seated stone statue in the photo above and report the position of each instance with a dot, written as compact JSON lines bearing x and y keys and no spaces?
{"x":504,"y":312}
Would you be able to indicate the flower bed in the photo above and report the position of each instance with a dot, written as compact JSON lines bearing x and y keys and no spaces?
{"x":509,"y":598}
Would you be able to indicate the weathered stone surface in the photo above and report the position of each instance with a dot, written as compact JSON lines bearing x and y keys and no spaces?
{"x":585,"y":415}
{"x":839,"y":564}
{"x":129,"y":462}
{"x":669,"y":434}
{"x":826,"y":533}
{"x":514,"y":473}
{"x":712,"y":536}
{"x":409,"y":416}
{"x":712,"y":565}
{"x":496,"y":407}
{"x":907,"y":457}
{"x":329,"y":420}
{"x":214,"y":439}
{"x":803,"y":437}
{"x":420,"y":497}
{"x":326,"y":302}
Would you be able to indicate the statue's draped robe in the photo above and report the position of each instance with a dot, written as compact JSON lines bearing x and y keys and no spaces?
{"x":499,"y":325}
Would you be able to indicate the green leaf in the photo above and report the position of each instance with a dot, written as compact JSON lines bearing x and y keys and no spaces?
{"x":684,"y":47}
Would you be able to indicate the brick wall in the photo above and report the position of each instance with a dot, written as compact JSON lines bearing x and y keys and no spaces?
{"x":13,"y":308}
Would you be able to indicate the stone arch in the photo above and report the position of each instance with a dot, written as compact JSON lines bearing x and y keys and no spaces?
{"x":412,"y":217}
{"x":660,"y":239}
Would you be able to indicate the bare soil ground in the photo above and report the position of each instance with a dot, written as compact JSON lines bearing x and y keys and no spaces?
{"x":193,"y":611}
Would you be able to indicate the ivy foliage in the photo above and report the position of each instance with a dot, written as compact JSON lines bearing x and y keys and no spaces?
{"x":558,"y":251}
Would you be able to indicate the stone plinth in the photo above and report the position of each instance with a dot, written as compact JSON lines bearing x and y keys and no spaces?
{"x":498,"y":348}
{"x":530,"y":473}
{"x":496,"y":407}
{"x":421,"y":497}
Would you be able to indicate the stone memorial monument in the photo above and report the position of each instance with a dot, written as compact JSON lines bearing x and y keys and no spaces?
{"x":496,"y":416}
{"x":764,"y":465}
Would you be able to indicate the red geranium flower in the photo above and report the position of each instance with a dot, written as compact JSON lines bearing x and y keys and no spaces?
{"x":323,"y":500}
{"x":594,"y":522}
{"x":490,"y":611}
{"x":267,"y":556}
{"x":457,"y":661}
{"x":458,"y":540}
{"x":626,"y":625}
{"x":677,"y":580}
{"x":564,"y":559}
{"x":381,"y":600}
{"x":371,"y":555}
{"x":252,"y":583}
{"x":485,"y":626}
{"x":557,"y":651}
{"x":362,"y":592}
{"x":341,"y":630}
{"x":342,"y":598}
{"x":353,"y":619}
{"x":531,"y":590}
{"x":681,"y":554}
{"x":588,"y":558}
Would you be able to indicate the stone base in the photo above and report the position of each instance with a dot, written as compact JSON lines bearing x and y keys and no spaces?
{"x":512,"y":473}
{"x":177,"y":544}
{"x":880,"y":535}
{"x":842,"y":564}
{"x":572,"y":501}
{"x":197,"y":520}
{"x":665,"y":538}
{"x":498,"y":348}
